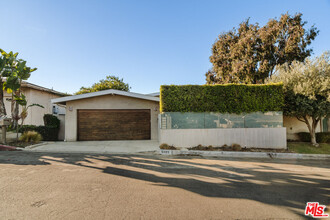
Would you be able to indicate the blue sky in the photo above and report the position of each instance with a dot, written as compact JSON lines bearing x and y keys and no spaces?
{"x":148,"y":43}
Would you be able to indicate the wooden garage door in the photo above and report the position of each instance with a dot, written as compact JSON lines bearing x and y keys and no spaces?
{"x":121,"y":124}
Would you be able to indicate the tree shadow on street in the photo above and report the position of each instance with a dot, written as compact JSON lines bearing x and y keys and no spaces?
{"x":271,"y":182}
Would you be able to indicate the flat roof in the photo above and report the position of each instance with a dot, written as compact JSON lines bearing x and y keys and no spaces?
{"x":63,"y":100}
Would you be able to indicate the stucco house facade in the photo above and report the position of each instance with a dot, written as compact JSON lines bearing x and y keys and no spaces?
{"x":294,"y":126}
{"x":39,"y":95}
{"x":110,"y":115}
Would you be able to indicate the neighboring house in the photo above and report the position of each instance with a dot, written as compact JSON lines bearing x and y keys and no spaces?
{"x":110,"y":115}
{"x":155,"y":94}
{"x":39,"y":95}
{"x":294,"y":126}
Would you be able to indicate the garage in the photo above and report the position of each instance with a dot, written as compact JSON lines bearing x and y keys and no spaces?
{"x":114,"y":124}
{"x":110,"y":115}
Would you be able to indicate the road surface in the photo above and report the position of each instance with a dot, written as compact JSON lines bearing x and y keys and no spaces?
{"x":145,"y":186}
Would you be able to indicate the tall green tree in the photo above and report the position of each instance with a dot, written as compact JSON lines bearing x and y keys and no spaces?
{"x":250,"y":53}
{"x":111,"y":82}
{"x":307,"y":90}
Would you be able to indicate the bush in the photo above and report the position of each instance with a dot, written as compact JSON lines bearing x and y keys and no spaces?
{"x":321,"y":137}
{"x":227,"y":98}
{"x":51,"y":121}
{"x":167,"y":147}
{"x":25,"y":128}
{"x":201,"y":147}
{"x":48,"y":133}
{"x":236,"y":147}
{"x":31,"y":137}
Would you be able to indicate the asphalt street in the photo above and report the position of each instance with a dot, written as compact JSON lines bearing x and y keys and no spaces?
{"x":146,"y":186}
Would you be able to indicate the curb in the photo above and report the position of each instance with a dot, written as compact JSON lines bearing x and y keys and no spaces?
{"x":7,"y":148}
{"x":90,"y":152}
{"x":246,"y":154}
{"x":36,"y":145}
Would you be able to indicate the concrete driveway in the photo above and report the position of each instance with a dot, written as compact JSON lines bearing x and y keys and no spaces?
{"x":93,"y":186}
{"x":98,"y":147}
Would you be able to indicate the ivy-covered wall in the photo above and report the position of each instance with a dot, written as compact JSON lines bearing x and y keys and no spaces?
{"x":227,"y":98}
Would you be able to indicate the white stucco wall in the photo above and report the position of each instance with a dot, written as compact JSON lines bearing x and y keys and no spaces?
{"x":274,"y":138}
{"x":108,"y":102}
{"x":294,"y":126}
{"x":61,"y":132}
{"x":35,"y":114}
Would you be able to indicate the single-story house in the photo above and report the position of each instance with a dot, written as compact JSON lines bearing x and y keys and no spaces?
{"x":129,"y":116}
{"x":110,"y":115}
{"x":39,"y":95}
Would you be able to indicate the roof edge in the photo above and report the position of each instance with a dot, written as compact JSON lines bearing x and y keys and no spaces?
{"x":104,"y":92}
{"x":37,"y":87}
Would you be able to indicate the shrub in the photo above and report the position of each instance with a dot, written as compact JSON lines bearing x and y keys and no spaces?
{"x":227,"y":98}
{"x":236,"y":147}
{"x":31,"y":137}
{"x":321,"y":137}
{"x":51,"y":120}
{"x":167,"y":147}
{"x":25,"y":128}
{"x":48,"y":133}
{"x":201,"y":147}
{"x":225,"y":147}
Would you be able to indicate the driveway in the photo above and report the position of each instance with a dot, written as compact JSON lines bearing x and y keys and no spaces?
{"x":94,"y":186}
{"x":98,"y":146}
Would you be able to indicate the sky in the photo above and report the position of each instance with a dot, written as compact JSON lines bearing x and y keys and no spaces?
{"x":148,"y":43}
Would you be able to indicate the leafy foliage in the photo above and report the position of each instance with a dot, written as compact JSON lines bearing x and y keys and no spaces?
{"x":300,"y":106}
{"x":228,"y":98}
{"x":51,"y":121}
{"x":307,"y":90}
{"x":15,"y":71}
{"x":310,"y":78}
{"x":111,"y":82}
{"x":321,"y":137}
{"x":48,"y":133}
{"x":250,"y":53}
{"x":31,"y":136}
{"x":7,"y":61}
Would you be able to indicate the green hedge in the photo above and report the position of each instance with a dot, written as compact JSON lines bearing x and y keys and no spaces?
{"x":321,"y":137}
{"x":48,"y":133}
{"x":51,"y":120}
{"x":227,"y":98}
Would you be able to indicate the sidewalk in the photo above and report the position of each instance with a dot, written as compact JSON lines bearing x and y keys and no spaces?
{"x":96,"y":147}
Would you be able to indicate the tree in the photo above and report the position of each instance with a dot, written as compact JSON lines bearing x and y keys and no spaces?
{"x":111,"y":82}
{"x":21,"y":100}
{"x":250,"y":53}
{"x":7,"y":61}
{"x":307,"y":88}
{"x":17,"y":72}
